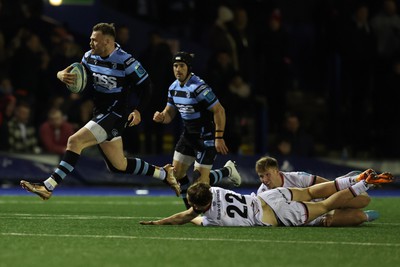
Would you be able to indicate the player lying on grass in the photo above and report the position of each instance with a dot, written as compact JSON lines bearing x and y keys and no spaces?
{"x":277,"y":207}
{"x":271,"y":177}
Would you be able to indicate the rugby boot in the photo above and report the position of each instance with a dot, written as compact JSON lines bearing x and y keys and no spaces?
{"x":36,"y":188}
{"x":171,"y":179}
{"x":365,"y":174}
{"x":234,"y":175}
{"x":383,"y":178}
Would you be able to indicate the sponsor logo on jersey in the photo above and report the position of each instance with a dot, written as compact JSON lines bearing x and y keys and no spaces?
{"x":140,"y":70}
{"x":185,"y":108}
{"x":114,"y":66}
{"x":99,"y":116}
{"x":201,"y":88}
{"x":209,"y":95}
{"x":108,"y":82}
{"x":218,"y":205}
{"x":187,"y":94}
{"x":129,"y":61}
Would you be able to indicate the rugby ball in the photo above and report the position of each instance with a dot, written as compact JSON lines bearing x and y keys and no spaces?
{"x":81,"y":78}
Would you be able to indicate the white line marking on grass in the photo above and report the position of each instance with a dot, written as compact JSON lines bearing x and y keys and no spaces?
{"x":133,"y":202}
{"x":209,"y":239}
{"x":67,"y":216}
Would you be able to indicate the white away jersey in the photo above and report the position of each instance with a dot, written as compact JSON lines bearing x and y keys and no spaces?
{"x":293,"y":179}
{"x":229,"y":208}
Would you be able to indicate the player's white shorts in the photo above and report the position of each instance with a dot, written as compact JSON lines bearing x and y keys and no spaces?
{"x":288,"y":212}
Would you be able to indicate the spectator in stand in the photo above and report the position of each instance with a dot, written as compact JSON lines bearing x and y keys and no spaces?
{"x":241,"y":110}
{"x":219,"y":71}
{"x":19,"y":133}
{"x":292,"y":139}
{"x":357,"y":50}
{"x":243,"y":37}
{"x":54,"y":132}
{"x":273,"y":67}
{"x":7,"y":105}
{"x":33,"y":85}
{"x":123,"y":37}
{"x":386,"y":26}
{"x":220,"y":39}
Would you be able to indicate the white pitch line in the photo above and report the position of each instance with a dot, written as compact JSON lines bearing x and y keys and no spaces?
{"x":68,"y":216}
{"x":133,"y":203}
{"x":390,"y":245}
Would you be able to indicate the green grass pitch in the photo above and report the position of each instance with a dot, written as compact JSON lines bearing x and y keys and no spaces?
{"x":105,"y":231}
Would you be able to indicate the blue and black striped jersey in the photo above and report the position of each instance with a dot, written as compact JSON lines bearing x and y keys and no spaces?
{"x":193,"y":101}
{"x":113,"y":77}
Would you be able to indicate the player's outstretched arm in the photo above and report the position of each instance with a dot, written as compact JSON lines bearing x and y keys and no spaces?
{"x":178,"y":218}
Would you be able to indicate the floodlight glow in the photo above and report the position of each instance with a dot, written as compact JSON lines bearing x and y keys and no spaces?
{"x":55,"y":2}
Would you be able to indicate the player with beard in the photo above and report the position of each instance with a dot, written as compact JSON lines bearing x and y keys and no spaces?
{"x":113,"y":75}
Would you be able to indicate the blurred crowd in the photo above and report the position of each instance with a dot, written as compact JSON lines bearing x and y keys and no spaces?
{"x":304,"y":78}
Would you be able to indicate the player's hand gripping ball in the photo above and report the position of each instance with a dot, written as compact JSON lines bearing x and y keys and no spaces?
{"x":81,"y":78}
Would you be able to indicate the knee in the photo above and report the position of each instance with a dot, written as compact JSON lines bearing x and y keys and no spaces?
{"x":365,"y":200}
{"x":74,"y":143}
{"x":362,"y":201}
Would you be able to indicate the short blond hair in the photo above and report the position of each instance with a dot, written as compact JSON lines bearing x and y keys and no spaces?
{"x":265,"y":163}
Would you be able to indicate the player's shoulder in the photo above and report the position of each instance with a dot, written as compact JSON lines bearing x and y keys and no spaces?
{"x":195,"y":82}
{"x":122,"y":56}
{"x":296,"y":179}
{"x":296,"y":173}
{"x":87,"y":54}
{"x":174,"y":85}
{"x":216,"y":188}
{"x":197,"y":85}
{"x":219,"y":190}
{"x":262,"y":188}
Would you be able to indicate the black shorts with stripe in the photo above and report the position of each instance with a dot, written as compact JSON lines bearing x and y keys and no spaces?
{"x":200,"y":146}
{"x":112,"y":122}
